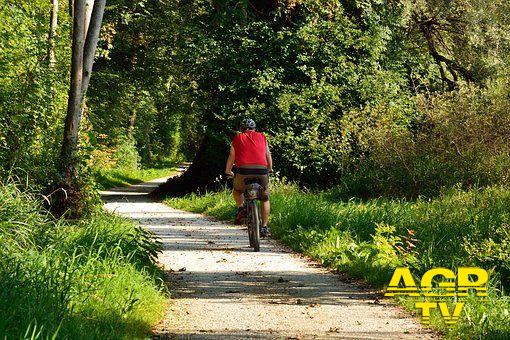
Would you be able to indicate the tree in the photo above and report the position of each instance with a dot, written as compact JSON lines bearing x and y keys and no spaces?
{"x":94,"y":29}
{"x":297,"y":69}
{"x":85,"y":38}
{"x":468,"y":40}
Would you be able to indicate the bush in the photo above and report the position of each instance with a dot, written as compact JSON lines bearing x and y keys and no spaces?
{"x":457,"y":138}
{"x":119,"y":154}
{"x":126,"y":154}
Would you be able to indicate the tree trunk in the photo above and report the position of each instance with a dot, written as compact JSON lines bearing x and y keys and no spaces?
{"x":94,"y":29}
{"x":84,"y":49}
{"x":73,"y":117}
{"x":53,"y":33}
{"x":89,"y":5}
{"x":431,"y":29}
{"x":207,"y":166}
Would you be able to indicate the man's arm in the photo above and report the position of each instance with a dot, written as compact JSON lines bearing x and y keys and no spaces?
{"x":230,"y":161}
{"x":269,"y":158}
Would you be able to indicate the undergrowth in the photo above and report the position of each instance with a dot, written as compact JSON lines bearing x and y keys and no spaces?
{"x":94,"y":278}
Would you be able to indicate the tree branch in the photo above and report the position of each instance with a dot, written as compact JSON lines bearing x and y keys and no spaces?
{"x":430,"y":28}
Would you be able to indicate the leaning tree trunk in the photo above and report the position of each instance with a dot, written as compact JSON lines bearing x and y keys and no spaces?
{"x":94,"y":29}
{"x":208,"y":165}
{"x":89,"y":5}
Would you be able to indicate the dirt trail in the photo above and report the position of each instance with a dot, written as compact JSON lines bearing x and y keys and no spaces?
{"x":223,"y":290}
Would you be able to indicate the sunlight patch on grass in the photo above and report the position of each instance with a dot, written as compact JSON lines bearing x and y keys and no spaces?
{"x":107,"y":179}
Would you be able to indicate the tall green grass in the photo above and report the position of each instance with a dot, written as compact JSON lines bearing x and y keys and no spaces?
{"x":94,"y":278}
{"x":368,"y":239}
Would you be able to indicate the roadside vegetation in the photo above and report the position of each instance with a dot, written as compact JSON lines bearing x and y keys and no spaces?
{"x":111,"y":178}
{"x":368,"y":239}
{"x":121,"y":165}
{"x":95,"y":277}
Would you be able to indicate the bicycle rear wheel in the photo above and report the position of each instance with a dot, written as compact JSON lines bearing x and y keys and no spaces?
{"x":248,"y":221}
{"x":253,"y":222}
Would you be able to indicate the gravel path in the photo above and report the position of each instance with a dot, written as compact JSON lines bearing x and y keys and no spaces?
{"x":222,"y":290}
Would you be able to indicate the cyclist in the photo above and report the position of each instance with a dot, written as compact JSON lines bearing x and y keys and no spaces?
{"x":250,"y":154}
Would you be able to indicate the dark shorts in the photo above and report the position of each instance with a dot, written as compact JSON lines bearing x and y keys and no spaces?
{"x":239,"y":185}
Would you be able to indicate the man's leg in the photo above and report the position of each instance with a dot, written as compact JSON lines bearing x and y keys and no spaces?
{"x":241,"y":213}
{"x":266,"y":208}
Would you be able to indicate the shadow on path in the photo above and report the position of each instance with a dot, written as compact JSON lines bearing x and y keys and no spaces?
{"x":221,"y":289}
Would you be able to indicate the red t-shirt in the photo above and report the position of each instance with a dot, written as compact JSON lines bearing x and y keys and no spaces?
{"x":250,"y":148}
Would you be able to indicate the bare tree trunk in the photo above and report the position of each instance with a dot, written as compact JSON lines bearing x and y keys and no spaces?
{"x":53,"y":33}
{"x":73,"y":117}
{"x":89,"y":5}
{"x":91,"y":42}
{"x":84,"y":49}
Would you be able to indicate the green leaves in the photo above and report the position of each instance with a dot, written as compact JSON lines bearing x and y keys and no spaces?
{"x":296,"y":74}
{"x":33,"y":97}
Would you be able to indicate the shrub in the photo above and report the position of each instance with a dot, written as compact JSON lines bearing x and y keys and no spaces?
{"x":457,"y":138}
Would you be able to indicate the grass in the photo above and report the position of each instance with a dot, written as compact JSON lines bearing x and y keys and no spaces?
{"x":111,"y":178}
{"x":368,"y":239}
{"x":94,"y":278}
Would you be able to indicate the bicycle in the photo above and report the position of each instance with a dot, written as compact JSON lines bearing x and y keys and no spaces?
{"x":252,"y":193}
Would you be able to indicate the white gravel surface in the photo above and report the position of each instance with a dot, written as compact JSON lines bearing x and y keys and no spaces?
{"x":223,"y":290}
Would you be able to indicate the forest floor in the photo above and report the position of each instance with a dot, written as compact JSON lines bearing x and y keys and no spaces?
{"x":221,"y":289}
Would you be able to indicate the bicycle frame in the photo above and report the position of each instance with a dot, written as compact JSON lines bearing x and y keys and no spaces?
{"x":252,"y":193}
